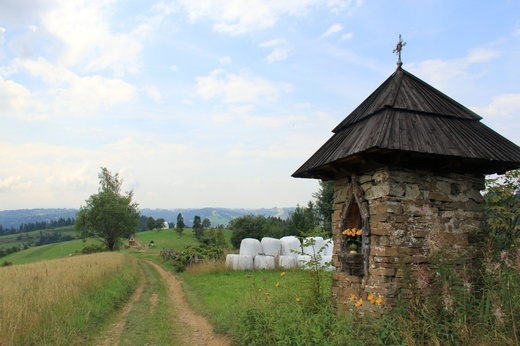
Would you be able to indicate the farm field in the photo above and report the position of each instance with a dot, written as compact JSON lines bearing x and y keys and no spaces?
{"x":246,"y":307}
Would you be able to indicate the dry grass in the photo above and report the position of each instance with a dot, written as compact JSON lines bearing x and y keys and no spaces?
{"x":207,"y":266}
{"x":40,"y":302}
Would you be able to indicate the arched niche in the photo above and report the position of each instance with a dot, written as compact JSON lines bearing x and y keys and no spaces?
{"x":354,"y":216}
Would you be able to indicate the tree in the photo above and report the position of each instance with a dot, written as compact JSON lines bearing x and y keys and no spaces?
{"x":108,"y":215}
{"x":151,"y":224}
{"x":179,"y":228}
{"x":502,"y":206}
{"x":197,"y":228}
{"x":206,"y":223}
{"x":302,"y":220}
{"x":324,"y":201}
{"x":248,"y":226}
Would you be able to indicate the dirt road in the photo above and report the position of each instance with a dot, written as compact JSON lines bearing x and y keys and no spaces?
{"x":190,"y":328}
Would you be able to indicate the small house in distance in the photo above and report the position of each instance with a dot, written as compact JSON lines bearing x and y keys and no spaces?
{"x":408,"y":166}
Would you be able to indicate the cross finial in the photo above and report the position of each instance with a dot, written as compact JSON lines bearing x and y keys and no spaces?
{"x":397,"y":50}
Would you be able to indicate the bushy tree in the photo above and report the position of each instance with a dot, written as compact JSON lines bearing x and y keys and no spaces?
{"x":179,"y":227}
{"x":502,"y":205}
{"x":248,"y":226}
{"x":198,"y":230}
{"x":108,"y":215}
{"x":324,"y":201}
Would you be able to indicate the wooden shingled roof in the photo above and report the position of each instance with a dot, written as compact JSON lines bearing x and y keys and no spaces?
{"x":408,"y":123}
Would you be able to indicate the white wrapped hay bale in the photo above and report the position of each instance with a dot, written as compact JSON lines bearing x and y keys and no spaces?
{"x":264,"y":262}
{"x":287,"y":262}
{"x":326,"y":263}
{"x":232,"y":261}
{"x":303,"y":261}
{"x":245,"y":262}
{"x":290,"y":246}
{"x":270,"y":246}
{"x":329,"y":247}
{"x":250,"y":247}
{"x":313,"y":249}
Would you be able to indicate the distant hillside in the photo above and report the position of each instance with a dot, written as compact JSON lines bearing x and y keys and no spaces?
{"x":14,"y":218}
{"x":217,"y":216}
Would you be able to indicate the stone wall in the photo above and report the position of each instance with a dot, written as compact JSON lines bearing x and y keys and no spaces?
{"x":411,"y":215}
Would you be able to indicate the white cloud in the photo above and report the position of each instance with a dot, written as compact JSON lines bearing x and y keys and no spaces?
{"x":454,"y":69}
{"x":505,"y":106}
{"x":14,"y":98}
{"x":237,"y":16}
{"x":2,"y":32}
{"x":225,"y":60}
{"x":173,"y":68}
{"x":346,"y":37}
{"x":334,"y":29}
{"x":234,"y":88}
{"x":153,"y":93}
{"x":67,"y":93}
{"x":278,"y":54}
{"x":272,"y":43}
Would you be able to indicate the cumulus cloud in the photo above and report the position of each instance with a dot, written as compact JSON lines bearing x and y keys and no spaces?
{"x":66,"y":93}
{"x":452,"y":69}
{"x":279,"y":52}
{"x":237,"y":17}
{"x":153,"y":93}
{"x":237,"y":88}
{"x":334,"y":29}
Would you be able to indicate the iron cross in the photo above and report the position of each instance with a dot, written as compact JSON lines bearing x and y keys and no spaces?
{"x":398,"y":48}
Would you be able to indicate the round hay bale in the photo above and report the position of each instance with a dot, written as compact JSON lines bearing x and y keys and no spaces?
{"x":303,"y":261}
{"x":250,"y":247}
{"x":287,"y":262}
{"x":271,"y":246}
{"x":329,"y":247}
{"x":232,"y":261}
{"x":264,"y":262}
{"x":313,"y":249}
{"x":245,"y":262}
{"x":290,"y":246}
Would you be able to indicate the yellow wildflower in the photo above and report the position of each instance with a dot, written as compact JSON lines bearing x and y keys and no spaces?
{"x":282,"y":274}
{"x":277,"y":284}
{"x":346,"y":232}
{"x":297,"y":299}
{"x":353,"y":297}
{"x":371,"y":298}
{"x":359,"y":302}
{"x":266,"y":293}
{"x":259,"y":290}
{"x":359,"y":232}
{"x":379,"y":301}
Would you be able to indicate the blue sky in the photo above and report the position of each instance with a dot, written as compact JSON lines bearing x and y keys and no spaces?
{"x":216,"y":103}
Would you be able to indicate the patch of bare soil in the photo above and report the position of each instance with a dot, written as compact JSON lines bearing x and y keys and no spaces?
{"x":201,"y":331}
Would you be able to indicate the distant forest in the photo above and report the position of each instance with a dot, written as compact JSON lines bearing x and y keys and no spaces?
{"x":37,"y":226}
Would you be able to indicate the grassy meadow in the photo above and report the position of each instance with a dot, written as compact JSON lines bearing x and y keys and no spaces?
{"x":59,"y":302}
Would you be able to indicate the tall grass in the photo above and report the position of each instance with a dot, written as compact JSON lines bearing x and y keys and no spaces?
{"x":444,"y":305}
{"x":58,"y":302}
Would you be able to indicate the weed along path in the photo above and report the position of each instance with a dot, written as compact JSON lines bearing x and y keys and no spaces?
{"x":158,"y":314}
